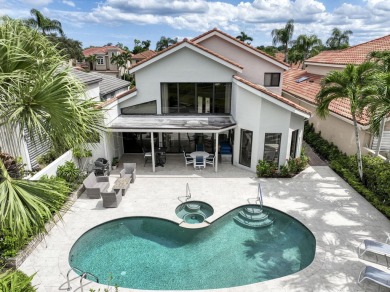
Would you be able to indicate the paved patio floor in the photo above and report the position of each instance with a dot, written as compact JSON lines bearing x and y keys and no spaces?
{"x":338,"y":217}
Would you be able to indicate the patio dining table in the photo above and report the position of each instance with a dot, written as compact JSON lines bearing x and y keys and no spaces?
{"x":204,"y":154}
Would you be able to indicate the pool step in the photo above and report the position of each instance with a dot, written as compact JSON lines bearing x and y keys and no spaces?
{"x":192,"y":207}
{"x":253,"y":224}
{"x":253,"y":210}
{"x":253,"y":217}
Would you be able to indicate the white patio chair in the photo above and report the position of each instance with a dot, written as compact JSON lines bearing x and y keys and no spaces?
{"x":375,"y":247}
{"x":187,"y":158}
{"x":374,"y":275}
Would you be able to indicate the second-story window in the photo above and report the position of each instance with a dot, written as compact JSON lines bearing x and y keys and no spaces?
{"x":271,"y":79}
{"x":100,"y":60}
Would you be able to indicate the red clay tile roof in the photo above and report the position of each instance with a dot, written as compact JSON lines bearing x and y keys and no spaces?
{"x":308,"y":89}
{"x":100,"y":50}
{"x":272,"y":94}
{"x":352,"y":55}
{"x":238,"y":41}
{"x":143,"y":55}
{"x":193,"y":44}
{"x":111,"y":100}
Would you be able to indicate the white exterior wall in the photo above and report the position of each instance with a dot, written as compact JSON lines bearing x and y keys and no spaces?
{"x":92,"y":91}
{"x":321,"y":70}
{"x":334,"y":129}
{"x":51,"y":169}
{"x":254,"y":67}
{"x":184,"y":65}
{"x":260,"y":116}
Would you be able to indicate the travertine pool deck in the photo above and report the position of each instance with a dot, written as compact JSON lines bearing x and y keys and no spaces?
{"x":338,"y":217}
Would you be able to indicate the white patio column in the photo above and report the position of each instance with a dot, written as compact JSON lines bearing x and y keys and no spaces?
{"x":152,"y":148}
{"x":216,"y":152}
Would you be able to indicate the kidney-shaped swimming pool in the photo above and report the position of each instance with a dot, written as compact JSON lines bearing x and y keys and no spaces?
{"x":156,"y":254}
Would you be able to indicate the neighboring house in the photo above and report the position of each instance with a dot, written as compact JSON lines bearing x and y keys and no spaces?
{"x":103,"y":60}
{"x":213,"y":90}
{"x":302,"y":86}
{"x":142,"y":56}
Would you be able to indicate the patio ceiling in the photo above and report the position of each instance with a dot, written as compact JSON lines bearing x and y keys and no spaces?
{"x":165,"y":123}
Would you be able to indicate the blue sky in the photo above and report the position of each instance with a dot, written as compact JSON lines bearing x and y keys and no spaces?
{"x":99,"y":22}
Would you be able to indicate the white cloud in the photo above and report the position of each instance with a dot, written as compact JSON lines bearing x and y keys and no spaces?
{"x":257,"y":18}
{"x":69,"y":3}
{"x":37,"y":2}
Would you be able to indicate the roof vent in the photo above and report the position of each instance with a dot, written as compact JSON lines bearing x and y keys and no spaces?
{"x":301,"y":79}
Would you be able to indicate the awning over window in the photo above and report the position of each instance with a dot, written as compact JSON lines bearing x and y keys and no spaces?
{"x":164,"y":123}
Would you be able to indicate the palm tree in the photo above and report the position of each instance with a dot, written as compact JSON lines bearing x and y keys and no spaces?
{"x":380,"y":104}
{"x":164,"y":43}
{"x":305,"y":47}
{"x":43,"y":24}
{"x":91,"y":59}
{"x":39,"y":95}
{"x":354,"y":85}
{"x":121,"y":60}
{"x":244,"y":37}
{"x":339,"y":39}
{"x":283,"y":36}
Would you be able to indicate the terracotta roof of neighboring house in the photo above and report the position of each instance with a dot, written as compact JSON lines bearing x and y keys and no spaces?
{"x":109,"y":83}
{"x":100,"y":50}
{"x":352,"y":55}
{"x":193,"y":44}
{"x":238,"y":41}
{"x":272,"y":94}
{"x":111,"y":100}
{"x":143,"y":55}
{"x":85,"y":77}
{"x":308,"y":89}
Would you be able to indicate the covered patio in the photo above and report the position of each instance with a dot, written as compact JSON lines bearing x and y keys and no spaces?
{"x":213,"y":124}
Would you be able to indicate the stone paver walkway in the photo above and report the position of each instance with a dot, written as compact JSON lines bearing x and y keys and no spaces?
{"x":338,"y":217}
{"x":315,"y":160}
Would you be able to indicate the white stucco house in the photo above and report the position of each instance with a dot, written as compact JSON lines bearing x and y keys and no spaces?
{"x":214,"y":91}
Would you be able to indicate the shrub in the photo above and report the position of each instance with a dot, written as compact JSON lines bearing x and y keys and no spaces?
{"x":59,"y":185}
{"x":291,"y":168}
{"x":48,"y":157}
{"x":69,"y":172}
{"x":10,"y":244}
{"x":15,"y":281}
{"x":266,"y":169}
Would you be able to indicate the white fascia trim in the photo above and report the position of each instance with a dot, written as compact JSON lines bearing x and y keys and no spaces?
{"x":189,"y":46}
{"x":172,"y":130}
{"x":242,"y":47}
{"x":333,"y":114}
{"x":118,"y":101}
{"x":271,"y":99}
{"x":325,"y":64}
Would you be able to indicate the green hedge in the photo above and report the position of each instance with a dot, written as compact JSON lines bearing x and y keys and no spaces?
{"x":375,"y":186}
{"x":291,"y":168}
{"x":15,"y":281}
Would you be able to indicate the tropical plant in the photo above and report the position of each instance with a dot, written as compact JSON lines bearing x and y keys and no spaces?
{"x":43,"y":24}
{"x":283,"y":36}
{"x":339,"y":39}
{"x":140,"y":46}
{"x":244,"y":38}
{"x":15,"y":281}
{"x":69,"y":48}
{"x":304,"y":47}
{"x":164,"y":43}
{"x":270,"y":50}
{"x":353,"y":84}
{"x":91,"y":59}
{"x":39,"y":95}
{"x":121,"y":60}
{"x":69,"y":172}
{"x":380,"y":103}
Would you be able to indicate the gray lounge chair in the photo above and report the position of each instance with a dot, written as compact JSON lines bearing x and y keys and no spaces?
{"x":377,"y":248}
{"x":375,"y":275}
{"x":111,"y":199}
{"x":129,"y":169}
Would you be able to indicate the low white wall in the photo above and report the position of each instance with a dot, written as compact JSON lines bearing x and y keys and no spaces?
{"x":51,"y":169}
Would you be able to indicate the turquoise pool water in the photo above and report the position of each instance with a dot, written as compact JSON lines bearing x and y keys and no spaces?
{"x":156,"y":254}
